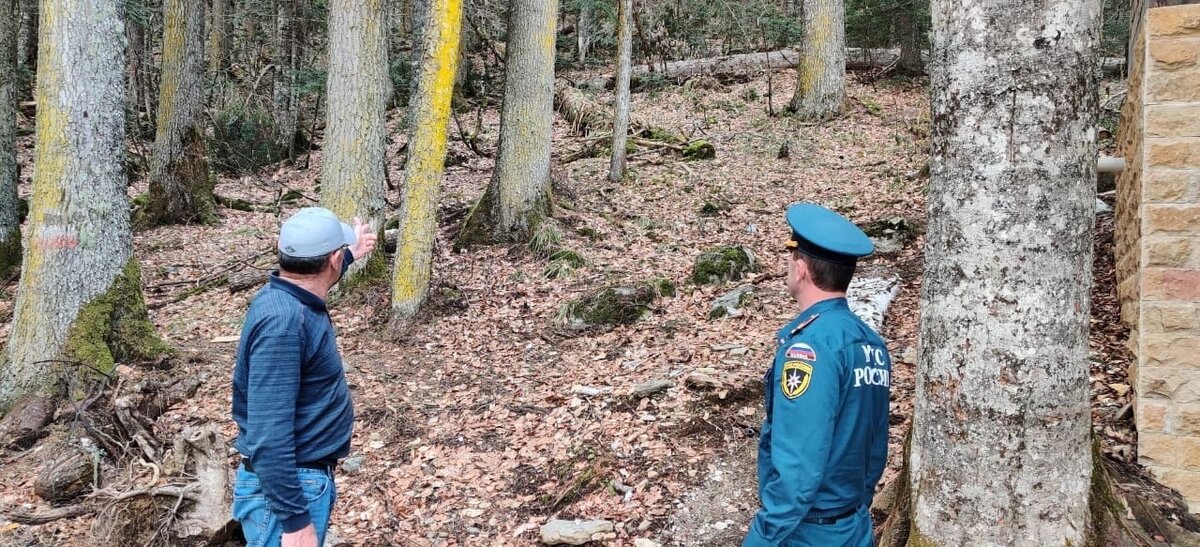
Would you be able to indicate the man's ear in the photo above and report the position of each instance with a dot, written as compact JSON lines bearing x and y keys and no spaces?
{"x":335,"y":260}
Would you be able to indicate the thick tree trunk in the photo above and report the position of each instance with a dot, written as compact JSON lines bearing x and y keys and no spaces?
{"x":181,"y":190}
{"x":10,"y":222}
{"x":518,"y":197}
{"x":821,"y":82}
{"x":285,"y":101}
{"x":353,"y":181}
{"x":583,"y":30}
{"x":616,"y":168}
{"x":79,"y":304}
{"x":1001,"y":451}
{"x":430,"y":111}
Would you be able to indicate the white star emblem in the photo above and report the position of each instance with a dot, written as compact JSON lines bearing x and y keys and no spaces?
{"x":794,"y":382}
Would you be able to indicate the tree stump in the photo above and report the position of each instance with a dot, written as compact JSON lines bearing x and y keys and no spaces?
{"x":67,"y":476}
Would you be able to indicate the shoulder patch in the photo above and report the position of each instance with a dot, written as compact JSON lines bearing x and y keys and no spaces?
{"x":796,"y":377}
{"x":800,"y":350}
{"x":806,"y":323}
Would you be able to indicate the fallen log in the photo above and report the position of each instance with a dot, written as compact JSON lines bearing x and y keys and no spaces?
{"x":587,"y":115}
{"x":742,"y":64}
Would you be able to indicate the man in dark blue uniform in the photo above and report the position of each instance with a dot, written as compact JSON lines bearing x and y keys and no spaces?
{"x":824,"y":441}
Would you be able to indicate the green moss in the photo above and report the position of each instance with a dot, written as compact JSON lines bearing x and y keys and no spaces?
{"x":374,"y":273}
{"x":114,"y":327}
{"x":590,"y":233}
{"x":713,"y":208}
{"x":699,"y":150}
{"x":392,"y":224}
{"x":611,"y":306}
{"x":723,"y":264}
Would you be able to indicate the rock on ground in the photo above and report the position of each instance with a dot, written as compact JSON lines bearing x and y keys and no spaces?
{"x":730,"y":304}
{"x":573,"y":532}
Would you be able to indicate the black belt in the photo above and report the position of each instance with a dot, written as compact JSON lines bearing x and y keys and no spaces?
{"x":325,"y":466}
{"x":830,"y":520}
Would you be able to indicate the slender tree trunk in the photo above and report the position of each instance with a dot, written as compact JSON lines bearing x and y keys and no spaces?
{"x":353,"y":182}
{"x":616,"y":168}
{"x":134,"y":31}
{"x":821,"y":77}
{"x":910,"y":23}
{"x":1001,"y":451}
{"x":219,"y":33}
{"x":430,"y":108}
{"x":27,"y":39}
{"x":79,"y":304}
{"x":583,"y":31}
{"x":518,"y":197}
{"x":285,"y":100}
{"x":181,"y":190}
{"x":10,"y":222}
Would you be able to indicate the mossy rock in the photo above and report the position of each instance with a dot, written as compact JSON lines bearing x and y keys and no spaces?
{"x":723,"y":264}
{"x":612,"y":306}
{"x":700,"y":150}
{"x":891,"y":234}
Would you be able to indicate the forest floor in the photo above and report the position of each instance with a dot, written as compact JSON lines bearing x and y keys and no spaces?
{"x":471,"y":425}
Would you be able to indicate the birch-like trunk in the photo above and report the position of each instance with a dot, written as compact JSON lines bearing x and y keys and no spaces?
{"x":616,"y":168}
{"x":821,"y":76}
{"x":583,"y":30}
{"x":430,"y":116}
{"x":1001,"y":452}
{"x":79,"y":303}
{"x":353,"y":181}
{"x":10,"y":222}
{"x":181,"y":190}
{"x":285,"y":100}
{"x":518,"y":197}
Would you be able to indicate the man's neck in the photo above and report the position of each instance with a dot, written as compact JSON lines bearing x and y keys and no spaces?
{"x":312,"y":284}
{"x":809,"y":298}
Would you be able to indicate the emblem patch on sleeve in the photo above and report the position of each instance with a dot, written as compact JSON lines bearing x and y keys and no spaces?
{"x":795,"y":379}
{"x":801,"y":351}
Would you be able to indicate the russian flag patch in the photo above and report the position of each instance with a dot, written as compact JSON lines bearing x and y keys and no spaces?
{"x":801,"y":351}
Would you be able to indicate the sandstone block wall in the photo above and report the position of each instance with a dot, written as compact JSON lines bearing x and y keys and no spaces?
{"x":1158,"y":241}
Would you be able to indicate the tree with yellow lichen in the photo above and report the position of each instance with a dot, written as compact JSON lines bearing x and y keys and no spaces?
{"x":10,"y":221}
{"x":821,"y":74}
{"x":353,"y":180}
{"x":79,"y":305}
{"x":181,"y":188}
{"x":518,"y":197}
{"x":430,"y":114}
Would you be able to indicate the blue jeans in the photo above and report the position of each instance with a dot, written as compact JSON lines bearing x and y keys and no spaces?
{"x":259,"y":525}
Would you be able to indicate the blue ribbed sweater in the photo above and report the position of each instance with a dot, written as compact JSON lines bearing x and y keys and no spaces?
{"x":290,"y":397}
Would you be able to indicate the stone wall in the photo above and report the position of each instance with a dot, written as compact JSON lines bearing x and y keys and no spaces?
{"x":1158,"y":242}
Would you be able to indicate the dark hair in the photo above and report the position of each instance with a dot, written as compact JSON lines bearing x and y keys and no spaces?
{"x":826,"y":275}
{"x":310,"y":265}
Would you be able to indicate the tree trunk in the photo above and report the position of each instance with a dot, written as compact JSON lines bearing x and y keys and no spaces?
{"x":1001,"y":451}
{"x":181,"y":190}
{"x":518,"y":197}
{"x":285,"y":102}
{"x":430,"y":111}
{"x":134,"y":72}
{"x":583,"y":31}
{"x":911,"y":26}
{"x":353,"y":180}
{"x":27,"y":39}
{"x":10,"y":222}
{"x":821,"y":79}
{"x":218,"y":38}
{"x":616,"y":168}
{"x":79,"y":305}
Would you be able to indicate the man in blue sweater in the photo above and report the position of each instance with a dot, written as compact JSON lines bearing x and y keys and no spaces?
{"x":824,"y":440}
{"x":290,"y":398}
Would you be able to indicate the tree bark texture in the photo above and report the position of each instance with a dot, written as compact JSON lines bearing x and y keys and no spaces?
{"x":285,"y":99}
{"x":352,"y":179}
{"x":911,"y":41}
{"x":616,"y":168}
{"x":430,"y":111}
{"x":583,"y":30}
{"x":518,"y":197}
{"x":1001,"y":453}
{"x":181,"y":190}
{"x":10,"y":222}
{"x":80,"y":299}
{"x":821,"y":81}
{"x":219,"y":32}
{"x":135,"y":88}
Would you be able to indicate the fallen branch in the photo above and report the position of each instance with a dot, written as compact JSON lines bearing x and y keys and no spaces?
{"x":34,"y":518}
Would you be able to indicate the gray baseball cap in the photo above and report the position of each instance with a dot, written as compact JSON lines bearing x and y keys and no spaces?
{"x":314,"y":231}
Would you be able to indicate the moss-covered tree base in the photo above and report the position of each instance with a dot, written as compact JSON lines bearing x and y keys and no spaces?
{"x":374,"y":276}
{"x":196,"y":204}
{"x":483,"y":227}
{"x":115,"y":327}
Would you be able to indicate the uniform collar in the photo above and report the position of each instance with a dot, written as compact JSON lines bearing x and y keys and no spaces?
{"x":299,"y":293}
{"x":829,"y":304}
